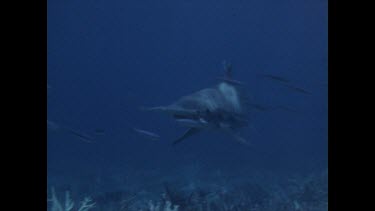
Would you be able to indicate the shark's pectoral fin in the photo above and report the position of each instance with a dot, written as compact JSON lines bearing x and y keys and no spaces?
{"x":188,"y":133}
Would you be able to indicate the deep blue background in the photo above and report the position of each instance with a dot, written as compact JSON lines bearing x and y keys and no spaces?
{"x":107,"y":58}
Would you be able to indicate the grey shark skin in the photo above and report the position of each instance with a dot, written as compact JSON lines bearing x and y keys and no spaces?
{"x":217,"y":108}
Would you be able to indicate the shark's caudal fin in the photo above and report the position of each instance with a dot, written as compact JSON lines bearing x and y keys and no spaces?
{"x":188,"y":133}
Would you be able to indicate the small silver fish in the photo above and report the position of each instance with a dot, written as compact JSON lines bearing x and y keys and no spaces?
{"x":82,"y":136}
{"x":146,"y":134}
{"x":274,"y":77}
{"x":48,"y":89}
{"x":53,"y":126}
{"x":99,"y":131}
{"x":285,"y":83}
{"x":300,"y":90}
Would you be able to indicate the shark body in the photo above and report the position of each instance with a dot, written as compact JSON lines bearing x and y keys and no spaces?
{"x":216,"y":108}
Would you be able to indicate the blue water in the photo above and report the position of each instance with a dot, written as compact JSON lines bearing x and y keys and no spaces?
{"x":107,"y":59}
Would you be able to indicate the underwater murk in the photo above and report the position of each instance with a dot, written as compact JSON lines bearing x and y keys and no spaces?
{"x":187,"y":105}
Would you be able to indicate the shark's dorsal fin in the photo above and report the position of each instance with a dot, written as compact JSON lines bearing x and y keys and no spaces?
{"x":228,"y":74}
{"x":188,"y":133}
{"x":228,"y":69}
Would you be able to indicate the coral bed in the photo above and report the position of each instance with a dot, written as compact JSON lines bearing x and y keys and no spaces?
{"x":261,"y":193}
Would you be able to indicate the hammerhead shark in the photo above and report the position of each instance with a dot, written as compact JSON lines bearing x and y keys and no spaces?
{"x":218,"y":108}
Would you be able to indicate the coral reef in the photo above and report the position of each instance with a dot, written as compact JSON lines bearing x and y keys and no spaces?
{"x":85,"y":205}
{"x":292,"y":193}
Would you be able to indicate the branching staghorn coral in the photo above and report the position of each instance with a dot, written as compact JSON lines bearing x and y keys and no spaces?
{"x":281,"y":193}
{"x":166,"y":207}
{"x":86,"y":203}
